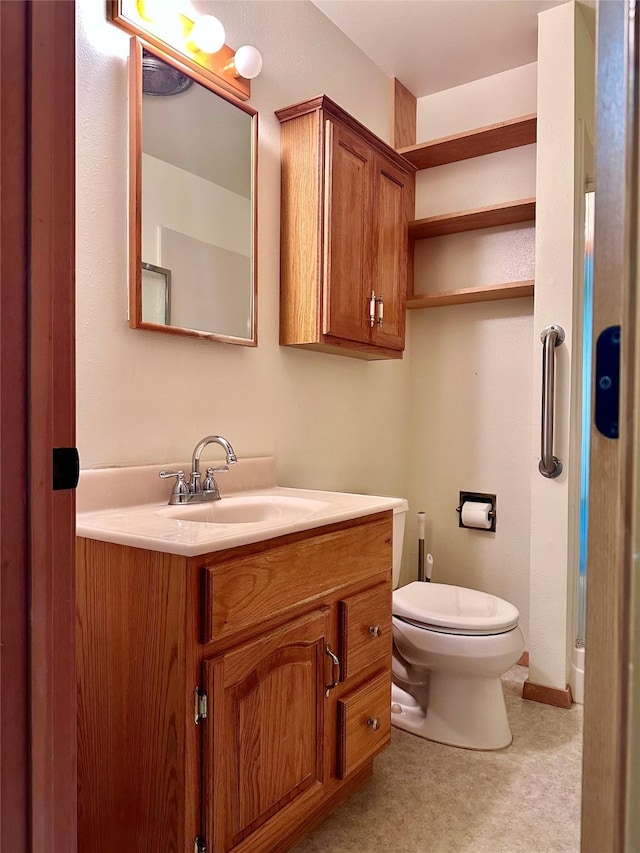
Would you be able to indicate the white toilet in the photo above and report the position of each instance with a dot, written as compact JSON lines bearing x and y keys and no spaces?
{"x":451,"y":645}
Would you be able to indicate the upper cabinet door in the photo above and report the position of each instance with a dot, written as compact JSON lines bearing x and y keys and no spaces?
{"x":348,"y":229}
{"x":264,"y":761}
{"x":390,"y":248}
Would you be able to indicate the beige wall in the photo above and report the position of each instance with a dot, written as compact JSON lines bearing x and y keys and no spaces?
{"x":470,"y":365}
{"x":332,"y":422}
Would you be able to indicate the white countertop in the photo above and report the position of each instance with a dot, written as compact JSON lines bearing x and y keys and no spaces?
{"x":152,"y":527}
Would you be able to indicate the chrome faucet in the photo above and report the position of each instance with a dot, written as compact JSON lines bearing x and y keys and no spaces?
{"x":192,"y":490}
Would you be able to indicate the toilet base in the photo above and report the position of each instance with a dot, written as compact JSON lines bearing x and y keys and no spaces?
{"x":464,"y":710}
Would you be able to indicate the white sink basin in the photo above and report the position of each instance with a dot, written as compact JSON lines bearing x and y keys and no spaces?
{"x":251,"y":509}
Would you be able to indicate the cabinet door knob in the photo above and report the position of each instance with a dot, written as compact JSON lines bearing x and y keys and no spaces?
{"x":375,"y":630}
{"x":374,"y":723}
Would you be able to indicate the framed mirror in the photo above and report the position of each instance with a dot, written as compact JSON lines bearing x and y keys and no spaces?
{"x":192,"y":203}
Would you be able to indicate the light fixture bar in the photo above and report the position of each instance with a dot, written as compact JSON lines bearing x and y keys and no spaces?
{"x":214,"y":66}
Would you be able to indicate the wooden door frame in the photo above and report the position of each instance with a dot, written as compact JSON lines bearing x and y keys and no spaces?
{"x":14,"y":648}
{"x":611,"y":495}
{"x":37,"y":414}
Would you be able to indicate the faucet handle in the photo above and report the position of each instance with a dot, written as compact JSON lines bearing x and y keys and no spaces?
{"x":179,"y":474}
{"x":210,"y":484}
{"x":181,"y":487}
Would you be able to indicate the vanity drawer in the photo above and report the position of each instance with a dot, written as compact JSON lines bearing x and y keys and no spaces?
{"x":365,"y":621}
{"x":364,"y":723}
{"x":245,"y":591}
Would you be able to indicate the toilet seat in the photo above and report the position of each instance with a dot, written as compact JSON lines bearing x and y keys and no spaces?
{"x":452,"y":609}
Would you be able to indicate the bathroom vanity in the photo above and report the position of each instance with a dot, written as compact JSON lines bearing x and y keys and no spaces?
{"x":229,"y":699}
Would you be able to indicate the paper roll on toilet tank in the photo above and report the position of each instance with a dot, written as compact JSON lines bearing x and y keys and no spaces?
{"x":476,"y":514}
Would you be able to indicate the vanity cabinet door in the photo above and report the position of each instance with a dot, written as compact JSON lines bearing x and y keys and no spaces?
{"x":264,"y":764}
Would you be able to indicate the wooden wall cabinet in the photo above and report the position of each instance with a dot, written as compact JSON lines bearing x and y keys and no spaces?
{"x":208,"y":713}
{"x":344,"y":235}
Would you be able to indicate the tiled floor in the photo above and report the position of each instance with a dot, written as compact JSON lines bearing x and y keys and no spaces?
{"x":428,"y":798}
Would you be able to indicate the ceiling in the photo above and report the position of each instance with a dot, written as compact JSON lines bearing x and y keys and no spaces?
{"x":431,"y":45}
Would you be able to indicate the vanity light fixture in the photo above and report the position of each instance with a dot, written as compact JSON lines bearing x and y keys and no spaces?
{"x":194,"y":39}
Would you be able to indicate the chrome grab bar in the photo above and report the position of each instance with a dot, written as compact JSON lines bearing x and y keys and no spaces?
{"x":552,"y":336}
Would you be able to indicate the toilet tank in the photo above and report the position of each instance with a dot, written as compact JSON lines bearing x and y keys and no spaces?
{"x":399,"y":517}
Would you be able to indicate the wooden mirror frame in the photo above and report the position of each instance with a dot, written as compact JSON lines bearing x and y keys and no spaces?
{"x":135,"y":194}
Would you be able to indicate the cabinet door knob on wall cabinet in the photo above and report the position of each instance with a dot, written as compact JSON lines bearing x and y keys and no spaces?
{"x":375,"y":630}
{"x":374,"y":723}
{"x":380,"y":310}
{"x":372,"y":308}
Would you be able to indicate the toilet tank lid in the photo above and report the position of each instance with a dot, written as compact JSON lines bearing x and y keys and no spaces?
{"x":454,"y":607}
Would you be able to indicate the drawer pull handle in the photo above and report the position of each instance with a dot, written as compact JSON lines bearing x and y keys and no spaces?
{"x":335,"y":664}
{"x":375,"y":630}
{"x":374,"y":723}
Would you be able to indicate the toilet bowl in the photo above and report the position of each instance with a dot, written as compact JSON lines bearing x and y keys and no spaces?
{"x":451,"y":645}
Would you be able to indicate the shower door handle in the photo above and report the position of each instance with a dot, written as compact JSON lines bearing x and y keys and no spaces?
{"x":550,"y":466}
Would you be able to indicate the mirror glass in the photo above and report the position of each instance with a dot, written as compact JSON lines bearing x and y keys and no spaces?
{"x":194,"y":272}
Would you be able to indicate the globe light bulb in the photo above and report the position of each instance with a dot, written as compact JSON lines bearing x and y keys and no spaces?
{"x":162,"y":16}
{"x":207,"y":34}
{"x":248,"y":61}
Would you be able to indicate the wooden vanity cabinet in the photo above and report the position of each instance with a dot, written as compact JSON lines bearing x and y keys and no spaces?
{"x":211,"y":712}
{"x":344,"y":235}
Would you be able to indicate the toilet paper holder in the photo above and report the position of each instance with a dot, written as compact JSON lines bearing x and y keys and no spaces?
{"x":478,"y":497}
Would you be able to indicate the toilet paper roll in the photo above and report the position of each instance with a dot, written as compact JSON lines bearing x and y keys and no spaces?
{"x":475,"y":514}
